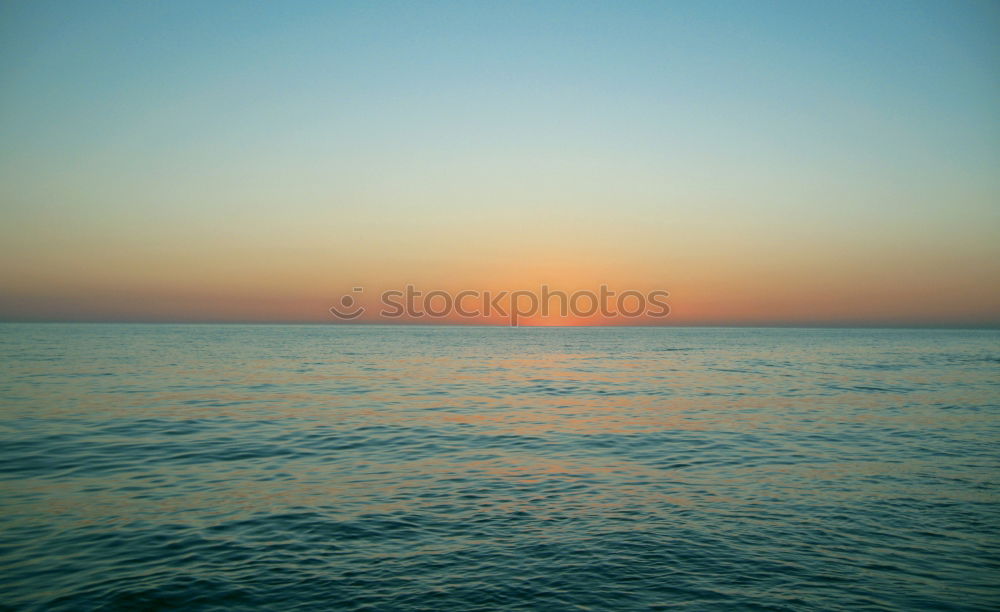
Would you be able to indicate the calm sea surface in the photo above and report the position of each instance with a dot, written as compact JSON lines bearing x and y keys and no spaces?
{"x":445,"y":468}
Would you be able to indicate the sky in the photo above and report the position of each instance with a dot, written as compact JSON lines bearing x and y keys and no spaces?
{"x":767,"y":163}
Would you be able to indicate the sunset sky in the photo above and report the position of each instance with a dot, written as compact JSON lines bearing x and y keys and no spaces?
{"x":786,"y":163}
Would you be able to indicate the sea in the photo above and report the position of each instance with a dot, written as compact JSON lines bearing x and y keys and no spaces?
{"x":337,"y":467}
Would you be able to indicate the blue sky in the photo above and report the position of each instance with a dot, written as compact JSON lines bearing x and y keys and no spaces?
{"x":855,"y":127}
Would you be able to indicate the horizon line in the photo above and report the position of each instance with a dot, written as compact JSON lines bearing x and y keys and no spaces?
{"x":994,"y":326}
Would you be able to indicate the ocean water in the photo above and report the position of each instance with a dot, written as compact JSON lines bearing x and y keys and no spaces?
{"x":448,"y":468}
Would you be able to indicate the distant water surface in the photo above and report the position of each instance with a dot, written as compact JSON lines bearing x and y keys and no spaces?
{"x":450,"y":468}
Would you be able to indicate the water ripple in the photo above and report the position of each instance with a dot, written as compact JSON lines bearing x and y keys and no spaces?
{"x":296,"y":468}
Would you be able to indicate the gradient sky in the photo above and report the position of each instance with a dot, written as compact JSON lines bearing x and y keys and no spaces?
{"x":766,"y":163}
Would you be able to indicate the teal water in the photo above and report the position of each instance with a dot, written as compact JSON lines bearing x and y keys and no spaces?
{"x":446,"y":468}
